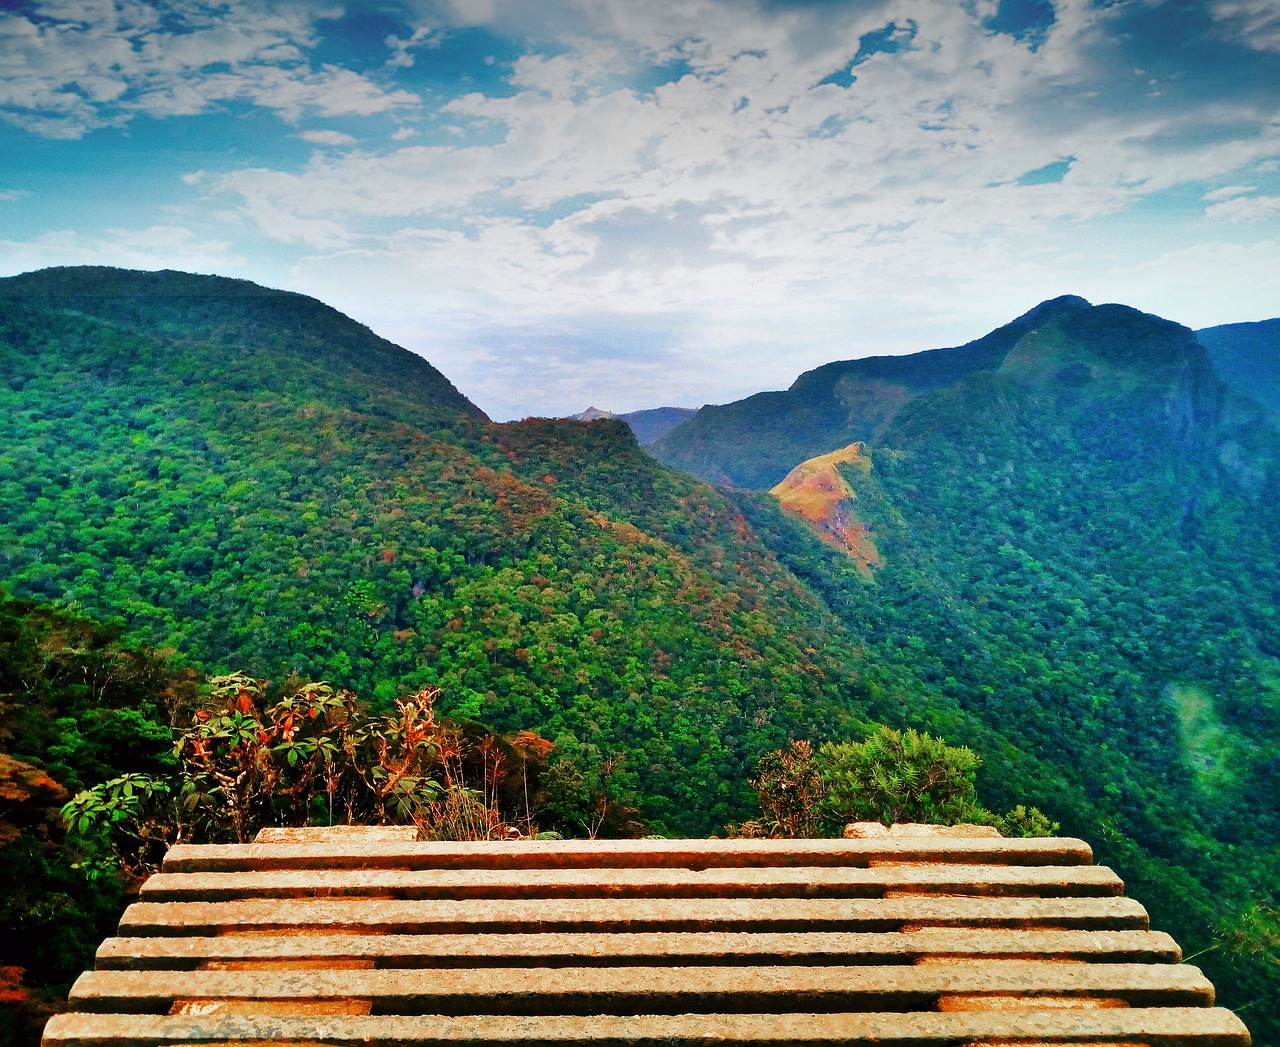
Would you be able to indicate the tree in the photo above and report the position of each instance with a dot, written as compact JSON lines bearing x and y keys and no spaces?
{"x":900,"y":777}
{"x":790,"y":790}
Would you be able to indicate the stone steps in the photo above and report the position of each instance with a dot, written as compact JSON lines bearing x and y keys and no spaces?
{"x":351,"y":937}
{"x":636,"y":949}
{"x":565,"y":915}
{"x":1052,"y":881}
{"x":281,"y":849}
{"x":1166,"y":1027}
{"x":654,"y":990}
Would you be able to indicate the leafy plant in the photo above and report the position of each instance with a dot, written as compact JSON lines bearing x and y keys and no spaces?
{"x":134,"y":813}
{"x":790,"y":791}
{"x":890,"y":777}
{"x":896,"y":776}
{"x":316,"y":755}
{"x":1026,"y":821}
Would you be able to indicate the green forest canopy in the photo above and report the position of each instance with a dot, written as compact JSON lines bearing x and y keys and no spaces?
{"x":1080,"y":575}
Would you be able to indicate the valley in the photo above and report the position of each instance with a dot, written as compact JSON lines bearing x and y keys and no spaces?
{"x":1057,"y":544}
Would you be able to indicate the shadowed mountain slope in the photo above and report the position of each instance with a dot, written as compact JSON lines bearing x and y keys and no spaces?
{"x":655,"y":422}
{"x":755,"y":442}
{"x":1247,"y":358}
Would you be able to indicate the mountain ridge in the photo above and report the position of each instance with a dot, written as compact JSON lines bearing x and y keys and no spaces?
{"x":174,"y":306}
{"x":1077,"y":578}
{"x":753,"y":442}
{"x":1247,"y":357}
{"x":258,"y":497}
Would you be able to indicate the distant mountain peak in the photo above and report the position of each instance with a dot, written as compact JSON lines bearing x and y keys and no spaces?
{"x":592,"y":414}
{"x":1051,"y":307}
{"x":654,"y":422}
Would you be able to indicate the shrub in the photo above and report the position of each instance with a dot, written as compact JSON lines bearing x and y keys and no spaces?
{"x":900,"y":777}
{"x":890,"y":777}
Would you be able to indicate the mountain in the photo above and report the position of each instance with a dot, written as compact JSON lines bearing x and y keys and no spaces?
{"x":650,"y":424}
{"x":755,"y":442}
{"x":253,"y":328}
{"x":1079,"y":543}
{"x":255,"y":481}
{"x":647,"y":425}
{"x":1247,"y":358}
{"x":1075,"y":523}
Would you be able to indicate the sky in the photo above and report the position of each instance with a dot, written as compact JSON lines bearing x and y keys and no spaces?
{"x":636,"y":203}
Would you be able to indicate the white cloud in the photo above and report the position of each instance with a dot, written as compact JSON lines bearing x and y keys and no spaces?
{"x":9,"y":196}
{"x":425,"y":37}
{"x":1228,"y":191}
{"x":76,"y":66}
{"x":924,"y":146}
{"x":1256,"y":23}
{"x":336,"y":138}
{"x":1245,"y":208}
{"x":678,"y":173}
{"x":744,"y":206}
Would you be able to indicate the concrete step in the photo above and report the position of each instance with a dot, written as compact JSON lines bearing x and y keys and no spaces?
{"x":354,"y":853}
{"x":656,"y":949}
{"x":785,"y":882}
{"x":369,"y":916}
{"x":369,"y":936}
{"x":1158,"y":1027}
{"x":655,"y":990}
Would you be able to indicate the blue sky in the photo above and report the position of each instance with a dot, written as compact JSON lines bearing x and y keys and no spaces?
{"x":630,"y":204}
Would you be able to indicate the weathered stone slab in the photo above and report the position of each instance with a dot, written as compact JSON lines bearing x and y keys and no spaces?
{"x":630,"y":914}
{"x":332,"y":833}
{"x":1159,"y":1027}
{"x":594,"y":854}
{"x":350,"y":938}
{"x":654,"y":990}
{"x":516,"y":950}
{"x":786,"y":882}
{"x":899,"y":830}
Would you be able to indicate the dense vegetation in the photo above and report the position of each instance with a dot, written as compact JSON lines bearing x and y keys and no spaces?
{"x":889,"y":777}
{"x":1247,"y":358}
{"x":260,"y":484}
{"x":77,"y":706}
{"x":1077,"y":574}
{"x":93,"y":788}
{"x":1081,"y":548}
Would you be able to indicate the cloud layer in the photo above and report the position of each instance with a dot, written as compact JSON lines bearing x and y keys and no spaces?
{"x":685,"y":200}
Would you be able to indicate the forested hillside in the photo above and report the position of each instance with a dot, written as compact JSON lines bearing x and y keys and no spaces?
{"x":1073,"y":524}
{"x":258,"y":483}
{"x":1079,"y":544}
{"x":78,"y":705}
{"x":1247,"y":358}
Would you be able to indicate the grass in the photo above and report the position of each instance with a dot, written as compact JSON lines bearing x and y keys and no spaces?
{"x":1213,"y":749}
{"x":817,"y":491}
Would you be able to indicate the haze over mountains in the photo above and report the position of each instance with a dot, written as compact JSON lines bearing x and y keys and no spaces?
{"x":647,"y":425}
{"x":1245,"y":357}
{"x":1066,"y":541}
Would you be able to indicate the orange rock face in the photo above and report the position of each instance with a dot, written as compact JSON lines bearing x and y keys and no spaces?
{"x":818,"y":492}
